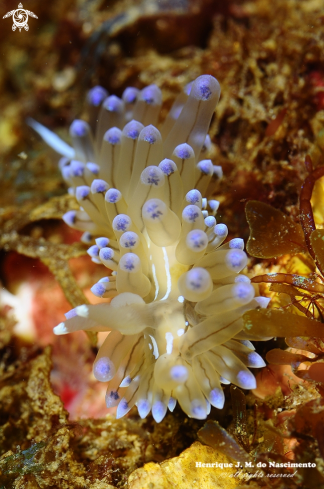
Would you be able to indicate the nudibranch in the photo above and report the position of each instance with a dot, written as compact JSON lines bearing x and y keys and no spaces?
{"x":176,"y":292}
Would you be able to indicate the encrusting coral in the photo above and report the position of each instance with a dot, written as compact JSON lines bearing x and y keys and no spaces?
{"x":177,"y":295}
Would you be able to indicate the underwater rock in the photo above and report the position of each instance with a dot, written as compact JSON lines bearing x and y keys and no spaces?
{"x":182,"y":471}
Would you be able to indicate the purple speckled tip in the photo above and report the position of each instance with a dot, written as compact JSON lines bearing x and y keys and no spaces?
{"x":121,"y":222}
{"x":202,"y":87}
{"x":197,"y":240}
{"x":205,"y":87}
{"x":198,"y":409}
{"x":205,"y":91}
{"x":154,"y":209}
{"x":220,"y":230}
{"x":122,"y":408}
{"x":172,"y":404}
{"x":151,"y":95}
{"x":126,"y":381}
{"x":168,"y":166}
{"x":236,"y":243}
{"x":255,"y":361}
{"x":158,"y":411}
{"x":102,"y":242}
{"x":193,"y":196}
{"x":150,"y":134}
{"x":129,"y":95}
{"x":206,"y":167}
{"x":96,"y":95}
{"x":111,"y":398}
{"x":243,"y":291}
{"x":132,"y":133}
{"x":103,"y":369}
{"x":210,"y":221}
{"x":106,"y":253}
{"x":79,"y":128}
{"x":129,"y":240}
{"x":184,"y":151}
{"x":113,"y":104}
{"x":236,"y":260}
{"x":191,"y":213}
{"x":98,"y":290}
{"x":143,"y":407}
{"x":133,"y":129}
{"x":93,"y":167}
{"x":179,"y":373}
{"x":77,"y":168}
{"x":242,"y":278}
{"x":152,"y":175}
{"x":113,"y":195}
{"x":217,"y":398}
{"x":113,"y":136}
{"x":198,"y":279}
{"x":93,"y":251}
{"x":130,"y":263}
{"x":246,"y":380}
{"x":99,"y":186}
{"x":82,"y":192}
{"x":69,"y":217}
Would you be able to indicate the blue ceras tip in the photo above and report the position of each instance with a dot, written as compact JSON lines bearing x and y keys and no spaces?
{"x":77,"y":168}
{"x":99,"y":186}
{"x":97,"y":95}
{"x":98,"y":289}
{"x":82,"y":192}
{"x":113,"y":136}
{"x":69,"y":217}
{"x":79,"y":128}
{"x":93,"y":167}
{"x":102,"y":242}
{"x":93,"y":251}
{"x":129,"y":95}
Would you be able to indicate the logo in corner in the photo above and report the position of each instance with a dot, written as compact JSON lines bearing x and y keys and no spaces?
{"x":20,"y":18}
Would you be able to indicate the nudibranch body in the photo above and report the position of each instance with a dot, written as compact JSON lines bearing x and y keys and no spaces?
{"x":177,"y":296}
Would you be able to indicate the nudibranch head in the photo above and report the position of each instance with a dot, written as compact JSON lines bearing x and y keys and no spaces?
{"x":177,"y":296}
